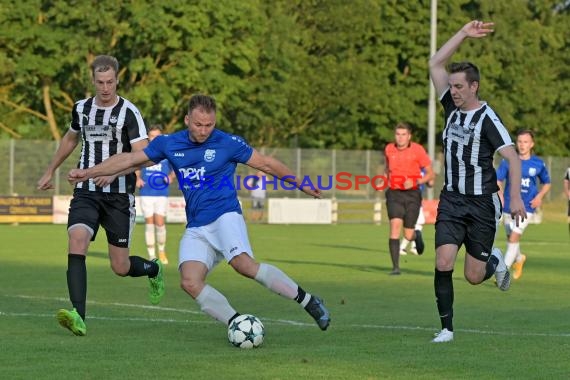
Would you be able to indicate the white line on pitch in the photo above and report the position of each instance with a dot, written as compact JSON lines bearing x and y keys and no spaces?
{"x":281,"y":321}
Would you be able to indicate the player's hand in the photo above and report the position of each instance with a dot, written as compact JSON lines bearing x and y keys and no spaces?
{"x":140,"y":183}
{"x":44,"y":183}
{"x":410,"y":183}
{"x":536,"y":202}
{"x":77,"y":175}
{"x":518,"y":211}
{"x":104,"y":180}
{"x":312,"y":191}
{"x":478,"y":29}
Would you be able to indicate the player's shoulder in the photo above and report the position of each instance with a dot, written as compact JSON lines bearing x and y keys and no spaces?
{"x":228,"y":138}
{"x":537,"y":160}
{"x":417,"y":147}
{"x":390,"y":147}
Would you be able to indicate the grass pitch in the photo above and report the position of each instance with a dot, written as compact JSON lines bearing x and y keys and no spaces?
{"x":381,"y":325}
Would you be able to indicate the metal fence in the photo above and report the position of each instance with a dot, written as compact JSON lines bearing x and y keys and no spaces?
{"x":24,"y":161}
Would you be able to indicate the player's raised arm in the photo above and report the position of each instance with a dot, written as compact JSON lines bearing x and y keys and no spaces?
{"x":276,"y":168}
{"x":116,"y":164}
{"x":437,"y":63}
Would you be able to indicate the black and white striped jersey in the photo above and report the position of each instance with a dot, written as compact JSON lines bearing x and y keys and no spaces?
{"x":470,"y":140}
{"x":106,"y":131}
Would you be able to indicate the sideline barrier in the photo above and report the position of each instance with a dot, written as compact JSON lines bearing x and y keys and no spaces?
{"x":300,"y":211}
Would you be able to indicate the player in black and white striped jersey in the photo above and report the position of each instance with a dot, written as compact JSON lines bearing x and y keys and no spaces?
{"x":107,"y":124}
{"x":469,"y":207}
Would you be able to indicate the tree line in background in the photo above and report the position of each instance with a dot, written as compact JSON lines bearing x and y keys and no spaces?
{"x":286,"y":73}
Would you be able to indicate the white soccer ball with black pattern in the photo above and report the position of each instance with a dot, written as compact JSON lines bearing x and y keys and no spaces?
{"x":246,"y":331}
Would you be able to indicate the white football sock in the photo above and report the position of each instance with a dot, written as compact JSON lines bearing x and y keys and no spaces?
{"x":404,"y":244}
{"x":511,"y":254}
{"x":274,"y":279}
{"x":161,"y":237}
{"x":149,"y":238}
{"x":215,"y":304}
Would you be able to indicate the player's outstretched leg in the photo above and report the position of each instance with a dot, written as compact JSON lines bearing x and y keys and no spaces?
{"x":71,"y":320}
{"x":277,"y":281}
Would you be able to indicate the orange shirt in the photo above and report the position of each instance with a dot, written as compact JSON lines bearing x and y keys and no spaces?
{"x":406,"y":162}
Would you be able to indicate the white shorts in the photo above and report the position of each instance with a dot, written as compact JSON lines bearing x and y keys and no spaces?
{"x":421,"y":217}
{"x":510,"y":225}
{"x":153,"y":205}
{"x":224,"y":238}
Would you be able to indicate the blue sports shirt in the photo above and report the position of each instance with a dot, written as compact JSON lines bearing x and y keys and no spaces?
{"x":205,"y":171}
{"x":533,"y":170}
{"x":155,"y":179}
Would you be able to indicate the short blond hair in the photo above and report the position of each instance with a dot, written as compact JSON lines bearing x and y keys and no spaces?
{"x":103,"y":63}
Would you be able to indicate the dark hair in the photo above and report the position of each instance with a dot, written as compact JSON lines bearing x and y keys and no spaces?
{"x":402,"y":125}
{"x":525,"y":132}
{"x":471,"y":71}
{"x":103,"y":63}
{"x":205,"y":102}
{"x":156,"y":127}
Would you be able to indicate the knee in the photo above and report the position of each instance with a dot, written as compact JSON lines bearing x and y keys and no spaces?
{"x":120,"y":270}
{"x":191,"y":286}
{"x":474,"y":278}
{"x":245,"y":265}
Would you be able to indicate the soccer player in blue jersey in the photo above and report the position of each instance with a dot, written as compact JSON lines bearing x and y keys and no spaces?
{"x":153,"y":184}
{"x":533,"y":171}
{"x":205,"y":159}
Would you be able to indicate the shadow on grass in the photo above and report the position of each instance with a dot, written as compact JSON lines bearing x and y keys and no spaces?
{"x":362,"y":268}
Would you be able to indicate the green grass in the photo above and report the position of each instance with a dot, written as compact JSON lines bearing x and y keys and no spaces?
{"x":381,"y":325}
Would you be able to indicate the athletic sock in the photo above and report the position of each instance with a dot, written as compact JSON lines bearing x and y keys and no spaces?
{"x":216,"y":305}
{"x":303,"y":297}
{"x":491,"y":267}
{"x":404,"y":244}
{"x":161,"y":237}
{"x":77,"y":282}
{"x":142,"y":267}
{"x":149,"y":238}
{"x":277,"y":281}
{"x":394,"y":246}
{"x":443,"y":285}
{"x":511,"y":254}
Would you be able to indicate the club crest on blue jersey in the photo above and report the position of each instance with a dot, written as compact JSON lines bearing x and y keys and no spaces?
{"x":209,"y":155}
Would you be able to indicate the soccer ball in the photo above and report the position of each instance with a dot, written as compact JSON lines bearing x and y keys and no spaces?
{"x":246,"y":331}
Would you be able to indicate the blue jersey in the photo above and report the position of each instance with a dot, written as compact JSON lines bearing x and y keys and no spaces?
{"x":532,"y":170}
{"x":205,"y":171}
{"x":155,"y":179}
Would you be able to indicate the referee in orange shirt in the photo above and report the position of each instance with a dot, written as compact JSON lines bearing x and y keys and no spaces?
{"x":404,"y":163}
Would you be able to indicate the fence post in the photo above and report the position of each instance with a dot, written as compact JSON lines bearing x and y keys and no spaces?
{"x":11,"y":169}
{"x":334,"y":211}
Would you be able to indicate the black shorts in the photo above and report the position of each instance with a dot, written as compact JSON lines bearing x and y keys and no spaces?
{"x":469,"y":220}
{"x":404,"y":204}
{"x":114,"y":211}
